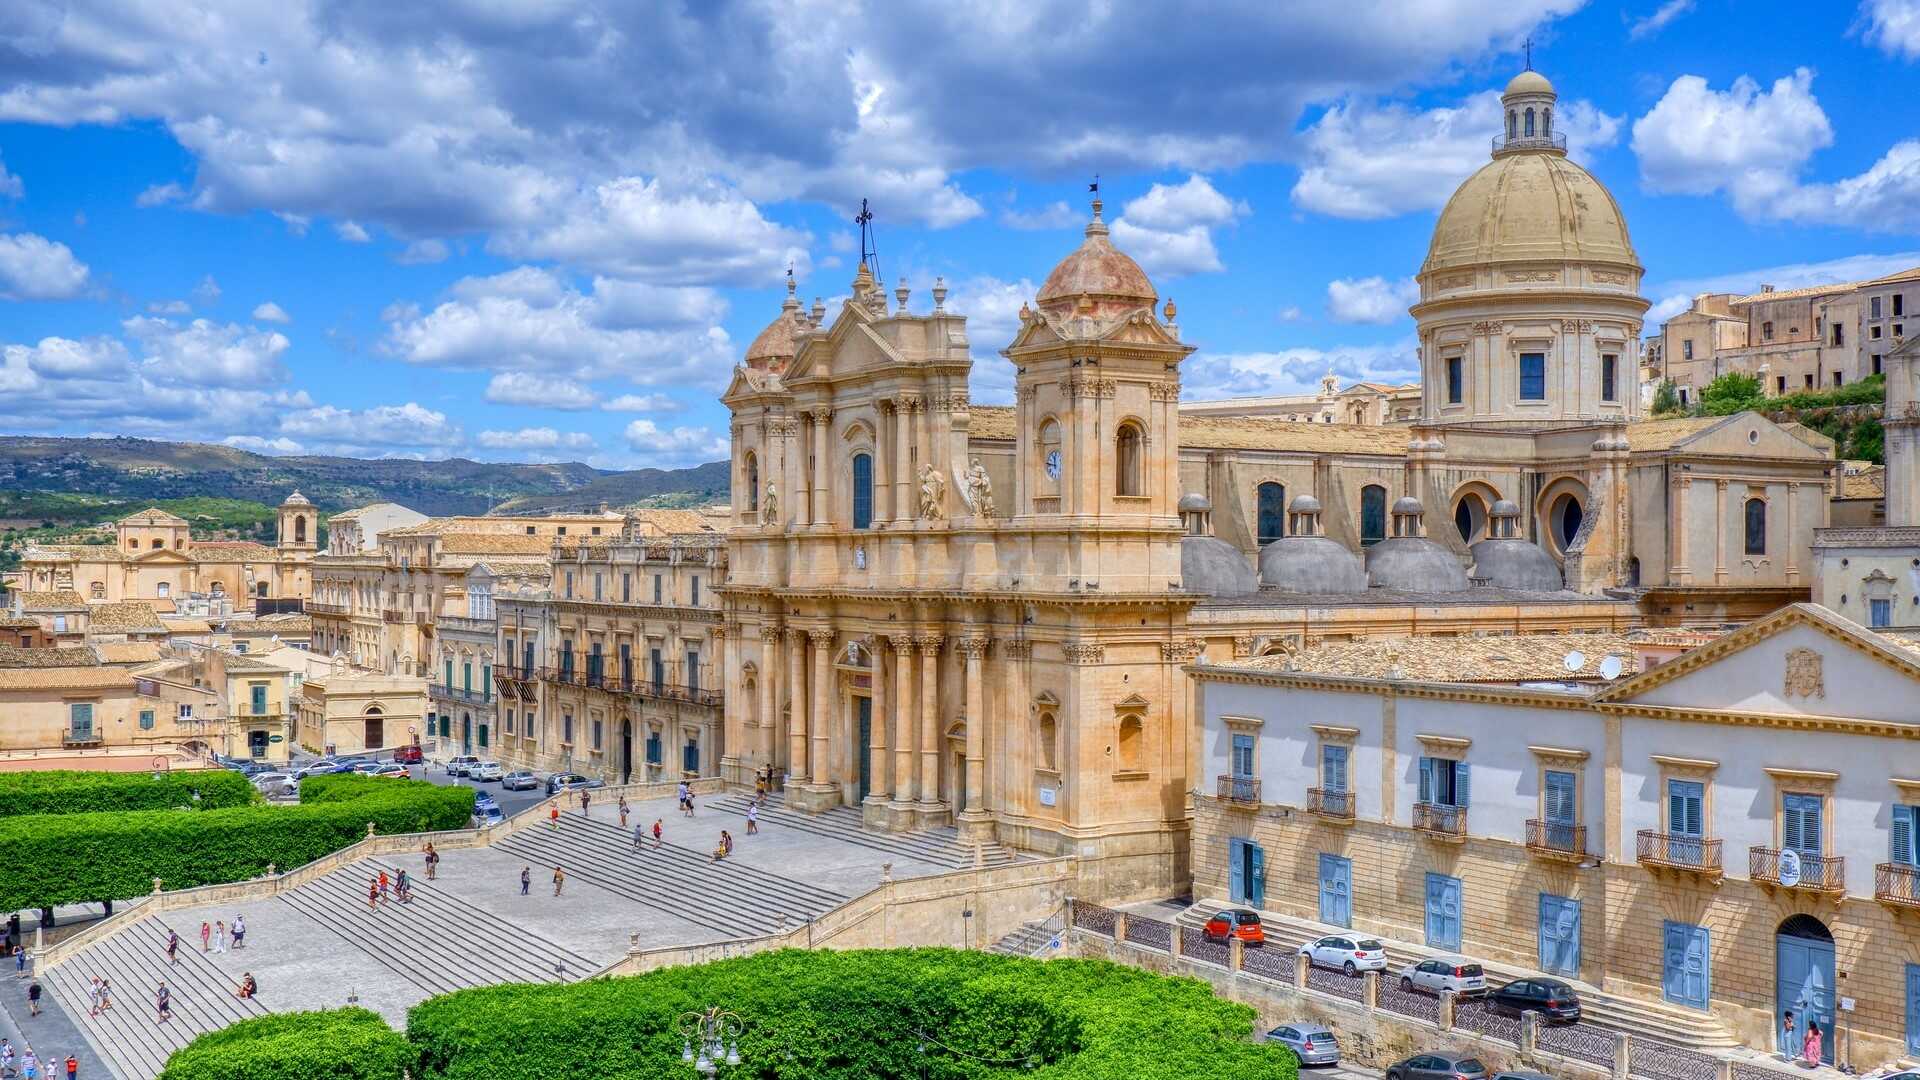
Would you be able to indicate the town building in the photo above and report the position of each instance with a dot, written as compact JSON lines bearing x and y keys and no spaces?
{"x":1869,"y":570}
{"x":1729,"y":833}
{"x":357,"y":531}
{"x":353,"y":711}
{"x":1362,"y":403}
{"x":70,"y":708}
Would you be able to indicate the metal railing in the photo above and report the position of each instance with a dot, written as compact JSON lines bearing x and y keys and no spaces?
{"x":1897,"y":884}
{"x":1337,"y":805}
{"x":1557,"y":838}
{"x":458,"y":693}
{"x":1240,"y":789}
{"x":645,"y":688}
{"x":80,"y":739}
{"x":1529,"y":142}
{"x":1817,"y":873}
{"x":1440,"y":819}
{"x":315,"y":607}
{"x":1673,"y":852}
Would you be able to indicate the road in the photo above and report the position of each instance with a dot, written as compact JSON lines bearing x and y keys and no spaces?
{"x":511,"y":802}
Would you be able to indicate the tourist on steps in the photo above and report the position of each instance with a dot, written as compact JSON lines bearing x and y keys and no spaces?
{"x":553,"y":816}
{"x":220,"y":935}
{"x":206,"y":932}
{"x":586,"y":797}
{"x":173,"y":947}
{"x":753,"y":819}
{"x":526,"y":879}
{"x":247,"y":988}
{"x":239,"y":931}
{"x":656,"y":834}
{"x":623,"y":811}
{"x":33,"y":998}
{"x":559,"y":880}
{"x":433,"y":860}
{"x":162,"y":1004}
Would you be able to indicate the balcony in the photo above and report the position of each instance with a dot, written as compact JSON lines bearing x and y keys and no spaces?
{"x":469,"y":625}
{"x":1815,"y":873}
{"x":456,"y":693}
{"x":1240,"y":790}
{"x":1440,"y":821}
{"x":1897,"y":885}
{"x":314,"y":607}
{"x":406,"y":618}
{"x":643,"y":688}
{"x":1557,"y":840}
{"x":1529,"y":142}
{"x":81,"y":739}
{"x":1330,"y":805}
{"x":1687,"y":854}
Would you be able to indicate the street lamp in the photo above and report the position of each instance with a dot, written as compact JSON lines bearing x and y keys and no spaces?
{"x":716,"y":1033}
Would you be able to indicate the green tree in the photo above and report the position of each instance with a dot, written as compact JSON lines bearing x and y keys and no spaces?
{"x":1731,"y":393}
{"x":1666,"y":399}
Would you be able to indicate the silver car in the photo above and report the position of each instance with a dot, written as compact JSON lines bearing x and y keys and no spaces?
{"x":1350,"y":954}
{"x":1464,"y":977}
{"x":1312,"y":1044}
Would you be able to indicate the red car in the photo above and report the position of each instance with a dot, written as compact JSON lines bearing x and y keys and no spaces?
{"x":408,"y":755}
{"x":1242,"y":923}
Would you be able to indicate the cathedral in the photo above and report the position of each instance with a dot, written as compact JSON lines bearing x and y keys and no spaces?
{"x":952,"y":613}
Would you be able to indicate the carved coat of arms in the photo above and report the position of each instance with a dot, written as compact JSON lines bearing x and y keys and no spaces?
{"x":1803,"y":675}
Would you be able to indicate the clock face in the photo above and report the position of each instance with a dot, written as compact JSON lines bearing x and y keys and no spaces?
{"x":1053,"y":464}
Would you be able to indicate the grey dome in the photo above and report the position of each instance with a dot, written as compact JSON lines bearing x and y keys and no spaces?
{"x":1415,"y":564}
{"x":1311,"y":564}
{"x":1504,"y":508}
{"x":1213,"y":567}
{"x":1514,"y":563}
{"x":1305,"y":504}
{"x":1193,"y":502}
{"x":1407,"y":504}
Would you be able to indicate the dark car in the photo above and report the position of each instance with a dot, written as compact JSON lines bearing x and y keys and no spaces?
{"x":568,"y":781}
{"x":1438,"y":1067}
{"x":1551,"y":998}
{"x":1242,"y":923}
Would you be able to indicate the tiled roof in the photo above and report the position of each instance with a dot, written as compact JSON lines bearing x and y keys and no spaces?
{"x":152,"y":515}
{"x":1862,"y":480}
{"x":237,"y":662}
{"x":669,"y":522}
{"x":188,"y":626}
{"x":73,"y":656}
{"x":1509,"y":659}
{"x":75,"y":678}
{"x":126,"y":616}
{"x":129,"y":652}
{"x":288,"y":623}
{"x":1666,"y":434}
{"x":58,"y":598}
{"x":1237,"y":433}
{"x":84,"y":552}
{"x":1910,"y":274}
{"x":518,"y":569}
{"x":231,"y":551}
{"x":474,"y":543}
{"x":18,"y":622}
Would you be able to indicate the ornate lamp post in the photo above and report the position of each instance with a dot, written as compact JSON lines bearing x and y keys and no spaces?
{"x":716,"y":1034}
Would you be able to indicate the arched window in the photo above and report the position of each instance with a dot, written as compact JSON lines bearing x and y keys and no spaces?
{"x":1129,"y":461}
{"x":1529,"y":123}
{"x":1050,"y":459}
{"x":1048,"y":734}
{"x":1470,"y":517}
{"x":1546,"y":122}
{"x":163,"y":590}
{"x":1513,"y":123}
{"x":1756,"y":526}
{"x":1130,"y":740}
{"x":158,"y":544}
{"x":132,"y":544}
{"x":1565,"y":519}
{"x":1271,"y":512}
{"x":863,"y":491}
{"x":300,"y":529}
{"x":1373,"y":514}
{"x":753,"y":483}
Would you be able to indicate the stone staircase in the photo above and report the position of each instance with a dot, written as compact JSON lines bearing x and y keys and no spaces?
{"x":940,"y":845}
{"x":730,"y":897}
{"x":1645,"y":1019}
{"x":435,"y":942}
{"x":127,"y":1036}
{"x":1030,"y":940}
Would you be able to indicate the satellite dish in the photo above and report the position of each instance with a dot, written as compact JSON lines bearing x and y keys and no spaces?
{"x":1576,"y":660}
{"x":1610,"y":668}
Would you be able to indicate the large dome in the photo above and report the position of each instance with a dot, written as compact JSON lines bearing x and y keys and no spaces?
{"x":1531,"y":206}
{"x":1099,"y":272}
{"x":774,"y":346}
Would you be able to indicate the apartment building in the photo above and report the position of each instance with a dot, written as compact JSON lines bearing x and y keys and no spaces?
{"x":1727,"y":833}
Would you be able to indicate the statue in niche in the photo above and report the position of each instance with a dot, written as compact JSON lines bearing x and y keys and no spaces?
{"x":977,"y":488}
{"x":770,"y":504}
{"x":933,"y":493}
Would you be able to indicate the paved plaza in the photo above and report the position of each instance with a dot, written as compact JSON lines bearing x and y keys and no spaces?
{"x":321,"y":946}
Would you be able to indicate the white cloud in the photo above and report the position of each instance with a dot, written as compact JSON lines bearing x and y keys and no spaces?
{"x":402,"y":430}
{"x":1893,"y":25}
{"x":1290,"y":313}
{"x":992,"y":308}
{"x":535,"y":438}
{"x":1697,"y":140}
{"x":1676,"y":296}
{"x":11,"y":186}
{"x":1056,"y":215}
{"x":423,"y":252}
{"x":1368,"y":160}
{"x":352,"y":232}
{"x":160,"y":195}
{"x":539,"y":391}
{"x":207,"y":291}
{"x":1658,"y":21}
{"x":205,"y":353}
{"x":644,"y":403}
{"x":1208,"y":376}
{"x":1169,"y":230}
{"x":271,"y":312}
{"x":64,"y":358}
{"x":675,"y":448}
{"x":33,"y":267}
{"x":169,"y":307}
{"x":1370,"y":300}
{"x":264,"y":445}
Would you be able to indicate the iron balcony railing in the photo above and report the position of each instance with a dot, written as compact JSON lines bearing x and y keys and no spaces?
{"x":1897,"y":884}
{"x":1529,"y":142}
{"x":1240,"y":789}
{"x":1334,"y":805}
{"x":645,"y":688}
{"x":1557,"y":839}
{"x":81,"y":738}
{"x":457,"y":693}
{"x":1440,"y":819}
{"x":1675,"y":852}
{"x":1816,"y":873}
{"x":315,"y":607}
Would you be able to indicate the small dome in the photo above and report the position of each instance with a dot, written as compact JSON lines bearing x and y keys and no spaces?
{"x":1415,"y":564}
{"x":1194,"y":503}
{"x":1514,"y":563}
{"x":1099,"y":272}
{"x":297,"y":499}
{"x":1212,"y":567}
{"x":1504,"y":508}
{"x":1528,"y":82}
{"x":1305,"y":504}
{"x":1312,"y":564}
{"x":775,"y":343}
{"x":1407,"y":504}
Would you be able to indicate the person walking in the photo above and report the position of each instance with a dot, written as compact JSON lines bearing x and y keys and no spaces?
{"x":383,"y":886}
{"x":656,"y":834}
{"x":753,"y":819}
{"x":220,"y":935}
{"x":1810,"y":1050}
{"x":93,"y":997}
{"x":162,"y":1004}
{"x":73,"y":1067}
{"x":553,"y":816}
{"x":33,"y":998}
{"x":403,"y":887}
{"x":526,"y":879}
{"x":433,"y":860}
{"x":373,"y":894}
{"x":623,"y":813}
{"x":6,"y":1057}
{"x":173,"y":948}
{"x":239,"y":930}
{"x":206,"y":931}
{"x":639,"y":833}
{"x":29,"y":1065}
{"x":106,"y":994}
{"x":20,"y":962}
{"x":559,"y":880}
{"x":586,"y":797}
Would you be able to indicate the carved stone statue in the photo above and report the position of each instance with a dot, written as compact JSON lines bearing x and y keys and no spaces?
{"x":933,"y":493}
{"x":1803,"y":674}
{"x":770,"y":504}
{"x":977,"y":488}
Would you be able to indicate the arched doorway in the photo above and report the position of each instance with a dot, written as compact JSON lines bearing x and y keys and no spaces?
{"x":626,"y":750}
{"x":466,"y":733}
{"x":376,"y":734}
{"x":1803,"y":974}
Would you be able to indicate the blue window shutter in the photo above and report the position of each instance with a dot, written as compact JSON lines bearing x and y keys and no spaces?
{"x":1333,"y":772}
{"x":1559,"y":800}
{"x":1257,"y":888}
{"x":1426,"y":779}
{"x":1236,"y":864}
{"x":1913,"y":1008}
{"x":1800,"y":823}
{"x":1685,"y":799}
{"x":1460,"y":784}
{"x":1903,"y":835}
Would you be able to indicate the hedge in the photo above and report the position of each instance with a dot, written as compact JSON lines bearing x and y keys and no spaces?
{"x":341,"y":1044}
{"x":68,"y":791}
{"x":72,"y":858}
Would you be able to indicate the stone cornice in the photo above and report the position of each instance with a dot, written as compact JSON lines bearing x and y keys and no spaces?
{"x":1889,"y":536}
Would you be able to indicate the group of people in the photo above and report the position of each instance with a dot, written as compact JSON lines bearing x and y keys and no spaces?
{"x":26,"y":1063}
{"x":400,"y":887}
{"x":213,"y":937}
{"x":1805,"y":1047}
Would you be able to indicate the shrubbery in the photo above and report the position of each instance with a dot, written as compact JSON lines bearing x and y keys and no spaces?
{"x":70,"y":858}
{"x":75,"y":792}
{"x":343,"y":1044}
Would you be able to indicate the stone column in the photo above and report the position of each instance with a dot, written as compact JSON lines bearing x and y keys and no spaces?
{"x":769,"y":651}
{"x":877,"y":748}
{"x":809,"y":449}
{"x":882,"y":463}
{"x":902,"y":464}
{"x":1720,"y":532}
{"x":929,"y":719}
{"x":974,"y":649}
{"x":1793,"y":551}
{"x":1678,"y":573}
{"x":797,"y":706}
{"x":820,"y":724}
{"x":822,"y":468}
{"x":1014,"y":746}
{"x":903,"y":694}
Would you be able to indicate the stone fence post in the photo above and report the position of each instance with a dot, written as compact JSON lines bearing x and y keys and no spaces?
{"x":1723,"y":1069}
{"x":156,"y":886}
{"x":1529,"y":1033}
{"x":1445,"y":1015}
{"x":1236,"y":954}
{"x":1370,"y":991}
{"x":1119,"y":927}
{"x":1622,"y":1054}
{"x":1300,"y":968}
{"x":1069,"y":915}
{"x":1176,"y":935}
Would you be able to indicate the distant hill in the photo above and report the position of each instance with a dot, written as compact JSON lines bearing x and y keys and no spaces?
{"x":145,"y":469}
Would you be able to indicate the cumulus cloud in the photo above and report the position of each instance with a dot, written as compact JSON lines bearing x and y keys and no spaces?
{"x":1209,"y":376}
{"x":160,"y":195}
{"x":384,"y":430}
{"x":1893,"y":25}
{"x":539,"y":391}
{"x":264,"y":445}
{"x":169,"y":307}
{"x":1370,"y":300}
{"x":535,"y":438}
{"x":1169,"y":230}
{"x":677,"y":447}
{"x":206,"y":353}
{"x":64,"y":358}
{"x":1367,"y":160}
{"x":992,"y":308}
{"x":11,"y":186}
{"x":423,"y":252}
{"x":352,"y":232}
{"x":1658,"y":20}
{"x":33,"y":267}
{"x":644,"y":403}
{"x":271,"y":312}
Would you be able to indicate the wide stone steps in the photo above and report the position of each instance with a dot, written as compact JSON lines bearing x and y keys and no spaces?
{"x":1026,"y":941}
{"x":939,"y":845}
{"x":128,"y":1036}
{"x":730,"y":897}
{"x":436,"y":942}
{"x":1641,"y":1018}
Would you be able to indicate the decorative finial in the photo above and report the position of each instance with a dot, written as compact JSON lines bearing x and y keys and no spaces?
{"x":900,"y":293}
{"x":939,"y":296}
{"x":1169,"y":310}
{"x":1529,"y":52}
{"x":1026,"y":313}
{"x":819,"y":312}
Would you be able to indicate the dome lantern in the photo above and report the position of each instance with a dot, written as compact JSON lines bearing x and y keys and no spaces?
{"x":1527,"y":105}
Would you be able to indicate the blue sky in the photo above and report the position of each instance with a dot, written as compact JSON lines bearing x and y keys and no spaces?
{"x":545,"y":229}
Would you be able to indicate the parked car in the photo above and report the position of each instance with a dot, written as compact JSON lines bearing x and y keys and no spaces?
{"x":1438,"y":1067}
{"x":264,"y":778}
{"x":1464,"y":977}
{"x":365,"y":765}
{"x":482,"y":800}
{"x":1349,"y":954}
{"x":393,"y":769}
{"x":568,"y":781}
{"x":487,"y":770}
{"x":1242,"y":923}
{"x":1312,"y":1044}
{"x":520,"y":780}
{"x":321,"y":768}
{"x":1551,"y":998}
{"x":486,"y":817}
{"x":409,"y":755}
{"x":281,"y":789}
{"x":459,"y":764}
{"x":1528,"y":1074}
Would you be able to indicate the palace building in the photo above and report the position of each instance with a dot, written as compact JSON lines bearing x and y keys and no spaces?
{"x":950,"y":612}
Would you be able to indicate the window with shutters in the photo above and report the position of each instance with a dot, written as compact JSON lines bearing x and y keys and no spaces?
{"x":1800,"y":826}
{"x":1905,"y":847}
{"x":1333,"y":768}
{"x":1243,"y":755}
{"x":1443,"y":796}
{"x":80,"y":719}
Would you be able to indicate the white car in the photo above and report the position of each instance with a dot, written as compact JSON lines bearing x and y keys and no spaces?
{"x":268,"y":779}
{"x":487,"y":770}
{"x":1462,"y":976}
{"x":1351,"y":955}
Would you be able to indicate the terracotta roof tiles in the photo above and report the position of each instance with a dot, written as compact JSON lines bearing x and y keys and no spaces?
{"x":1506,"y":659}
{"x":126,"y":616}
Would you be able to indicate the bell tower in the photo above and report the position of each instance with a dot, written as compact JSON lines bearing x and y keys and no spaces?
{"x":297,"y":525}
